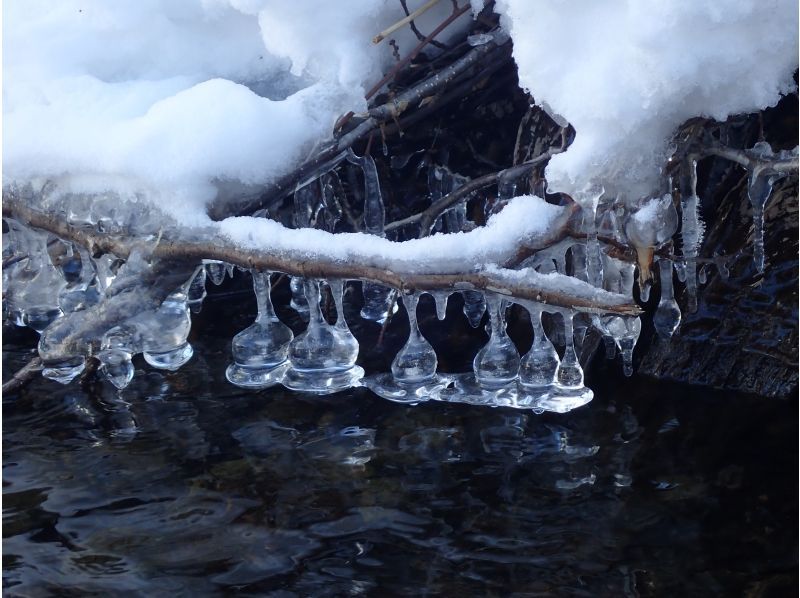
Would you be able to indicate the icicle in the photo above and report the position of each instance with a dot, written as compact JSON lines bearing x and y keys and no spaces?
{"x":416,"y":362}
{"x":691,"y":230}
{"x":115,"y":356}
{"x":589,"y":199}
{"x":474,"y":307}
{"x":626,"y":332}
{"x":261,"y":348}
{"x":196,"y":291}
{"x":578,"y":261}
{"x":759,"y":187}
{"x":322,"y":358}
{"x":539,"y":366}
{"x":668,"y":315}
{"x":570,"y":373}
{"x":649,"y":227}
{"x":702,"y":274}
{"x":440,"y":300}
{"x":165,"y":345}
{"x":215,"y":270}
{"x":298,"y":301}
{"x":497,"y":363}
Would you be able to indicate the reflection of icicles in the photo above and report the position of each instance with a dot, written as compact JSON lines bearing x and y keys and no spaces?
{"x":668,"y":315}
{"x":474,"y":307}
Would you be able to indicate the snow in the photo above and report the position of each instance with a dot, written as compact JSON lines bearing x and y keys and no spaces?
{"x":524,"y":219}
{"x":174,"y":100}
{"x":627,"y":73}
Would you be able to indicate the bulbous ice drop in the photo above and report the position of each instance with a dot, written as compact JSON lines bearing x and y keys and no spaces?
{"x":570,"y":373}
{"x":625,"y":332}
{"x":264,"y":344}
{"x":497,"y":363}
{"x":215,"y":271}
{"x":539,"y":366}
{"x":416,"y":362}
{"x":379,"y":302}
{"x":299,"y":303}
{"x":167,"y":329}
{"x":668,"y":315}
{"x":474,"y":307}
{"x":440,"y":300}
{"x":321,"y":347}
{"x":116,"y":349}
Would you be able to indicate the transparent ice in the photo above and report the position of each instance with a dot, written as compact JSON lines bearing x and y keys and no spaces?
{"x":497,"y":363}
{"x":668,"y":315}
{"x":261,"y":348}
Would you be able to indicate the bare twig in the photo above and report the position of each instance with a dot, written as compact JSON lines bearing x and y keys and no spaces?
{"x":408,"y":19}
{"x":417,"y":49}
{"x":748,"y":161}
{"x":416,"y":31}
{"x":23,"y":376}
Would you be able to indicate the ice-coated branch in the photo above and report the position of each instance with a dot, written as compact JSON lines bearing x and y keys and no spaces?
{"x":750,"y":161}
{"x":558,"y":292}
{"x":427,"y":218}
{"x":24,"y":375}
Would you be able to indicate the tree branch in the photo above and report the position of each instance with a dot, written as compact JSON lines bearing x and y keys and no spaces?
{"x":296,"y":263}
{"x":23,"y":376}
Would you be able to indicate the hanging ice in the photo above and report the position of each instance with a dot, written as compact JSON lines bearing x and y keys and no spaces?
{"x":115,"y":356}
{"x":668,"y":315}
{"x":649,"y":227}
{"x":416,"y":362}
{"x":539,"y":366}
{"x":759,"y":187}
{"x":474,"y":307}
{"x":165,"y":345}
{"x":378,"y":300}
{"x":570,"y":373}
{"x":260,"y":349}
{"x":691,"y":229}
{"x":497,"y":363}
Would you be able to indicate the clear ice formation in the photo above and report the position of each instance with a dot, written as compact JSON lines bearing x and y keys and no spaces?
{"x":440,"y":301}
{"x":474,"y":307}
{"x":539,"y":366}
{"x":378,"y":299}
{"x":164,"y":342}
{"x":261,"y":349}
{"x":215,"y":270}
{"x":322,"y":359}
{"x":668,"y":315}
{"x":196,"y":292}
{"x":759,"y":187}
{"x":652,"y":225}
{"x":570,"y":373}
{"x":416,"y":362}
{"x":692,"y":230}
{"x":497,"y":363}
{"x":116,"y":354}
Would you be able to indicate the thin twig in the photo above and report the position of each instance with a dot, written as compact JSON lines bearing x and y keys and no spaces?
{"x":416,"y":31}
{"x":23,"y":376}
{"x":408,"y":19}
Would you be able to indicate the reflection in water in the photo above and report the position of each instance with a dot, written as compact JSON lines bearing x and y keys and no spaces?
{"x":184,"y":485}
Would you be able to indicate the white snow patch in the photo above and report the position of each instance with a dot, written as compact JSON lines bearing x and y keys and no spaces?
{"x":522,"y":220}
{"x":627,"y":73}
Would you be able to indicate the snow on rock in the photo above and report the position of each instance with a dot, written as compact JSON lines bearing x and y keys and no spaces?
{"x":174,"y":100}
{"x":522,"y":220}
{"x":627,"y":73}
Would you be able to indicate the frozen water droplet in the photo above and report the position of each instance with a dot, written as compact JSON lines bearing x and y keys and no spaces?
{"x":416,"y":362}
{"x":261,"y":347}
{"x":702,"y":276}
{"x":298,"y":301}
{"x":165,"y":345}
{"x":570,"y":373}
{"x":474,"y":307}
{"x":64,"y":371}
{"x":216,"y":271}
{"x":440,"y":300}
{"x":539,"y":366}
{"x":497,"y":363}
{"x":379,"y":302}
{"x":668,"y":315}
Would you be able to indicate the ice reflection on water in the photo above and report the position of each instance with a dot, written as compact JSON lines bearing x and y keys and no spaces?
{"x":185,"y":485}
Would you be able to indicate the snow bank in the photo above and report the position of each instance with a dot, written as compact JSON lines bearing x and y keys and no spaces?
{"x":168,"y":99}
{"x":627,"y":73}
{"x":524,"y":219}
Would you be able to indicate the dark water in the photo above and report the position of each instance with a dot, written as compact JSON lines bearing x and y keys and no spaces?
{"x":186,"y":486}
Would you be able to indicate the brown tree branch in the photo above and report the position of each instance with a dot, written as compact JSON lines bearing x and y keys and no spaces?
{"x":216,"y":248}
{"x":23,"y":376}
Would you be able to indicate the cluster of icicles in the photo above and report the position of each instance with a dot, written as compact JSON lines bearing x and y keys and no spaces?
{"x":45,"y":279}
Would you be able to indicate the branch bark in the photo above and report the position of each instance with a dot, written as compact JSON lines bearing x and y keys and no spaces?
{"x":192,"y":252}
{"x":23,"y":376}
